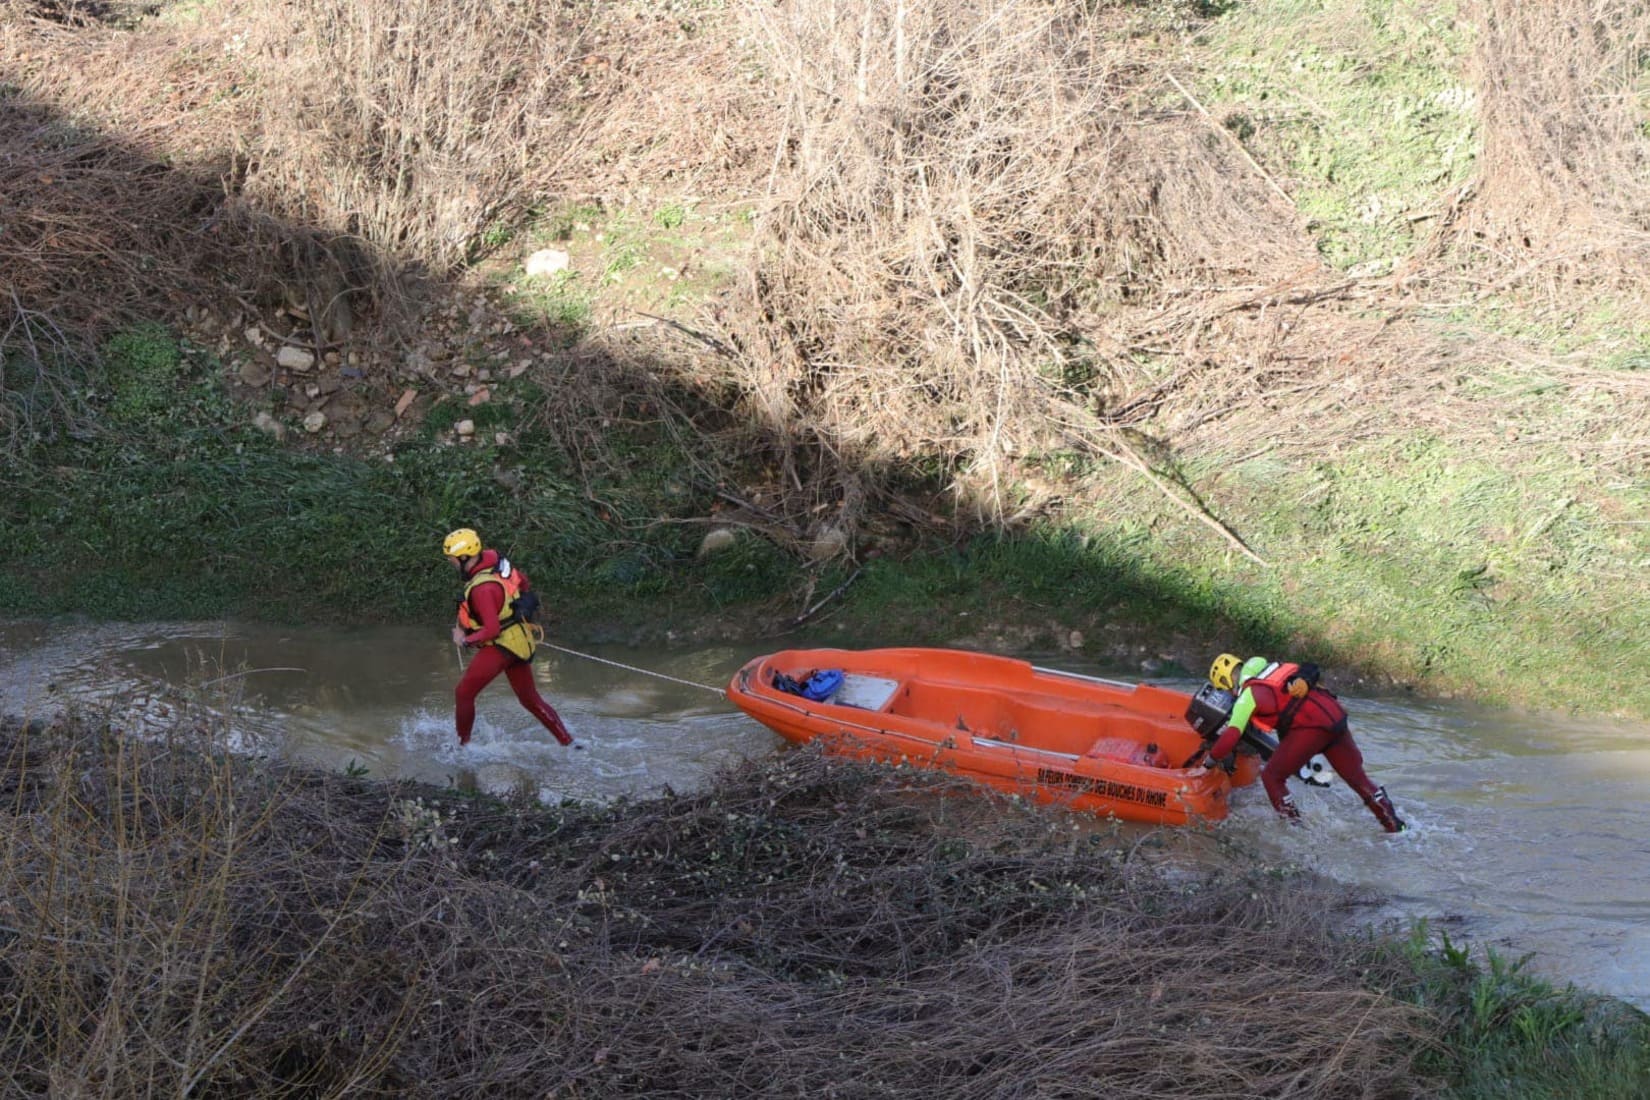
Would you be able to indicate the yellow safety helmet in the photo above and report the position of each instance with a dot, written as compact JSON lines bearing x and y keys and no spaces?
{"x":1220,"y":673}
{"x":462,"y":543}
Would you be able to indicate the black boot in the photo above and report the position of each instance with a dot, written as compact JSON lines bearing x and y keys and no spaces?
{"x":1381,"y":806}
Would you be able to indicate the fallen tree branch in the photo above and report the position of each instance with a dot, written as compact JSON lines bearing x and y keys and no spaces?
{"x":828,"y":597}
{"x":1210,"y":119}
{"x":1127,"y":456}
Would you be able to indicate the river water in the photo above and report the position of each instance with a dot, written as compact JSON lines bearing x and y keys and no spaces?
{"x":1529,"y":833}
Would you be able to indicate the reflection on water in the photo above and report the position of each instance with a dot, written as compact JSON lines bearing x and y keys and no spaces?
{"x":1527,"y":833}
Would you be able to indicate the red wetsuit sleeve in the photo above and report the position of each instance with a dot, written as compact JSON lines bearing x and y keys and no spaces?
{"x":1225,"y":743}
{"x":486,"y":601}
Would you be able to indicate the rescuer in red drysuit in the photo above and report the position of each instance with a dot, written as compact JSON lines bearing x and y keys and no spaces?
{"x":1306,"y":719}
{"x":503,"y":640}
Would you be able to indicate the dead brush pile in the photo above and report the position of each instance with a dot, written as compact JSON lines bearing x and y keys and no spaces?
{"x":1001,"y":229}
{"x":991,"y":229}
{"x":421,"y":126}
{"x":176,"y":920}
{"x":413,"y":126}
{"x":119,"y":203}
{"x":96,"y":229}
{"x":236,"y":130}
{"x":1564,"y":184}
{"x":981,"y":216}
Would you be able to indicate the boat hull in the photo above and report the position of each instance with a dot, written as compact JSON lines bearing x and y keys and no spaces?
{"x":1100,"y":746}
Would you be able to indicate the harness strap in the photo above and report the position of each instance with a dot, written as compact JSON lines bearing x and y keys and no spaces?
{"x":1287,"y":717}
{"x":1339,"y":728}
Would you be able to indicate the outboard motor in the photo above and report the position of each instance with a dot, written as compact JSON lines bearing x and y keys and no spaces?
{"x":1207,"y":714}
{"x":1208,"y":711}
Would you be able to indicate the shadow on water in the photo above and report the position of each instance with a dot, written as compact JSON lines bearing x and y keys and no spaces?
{"x":1527,"y":832}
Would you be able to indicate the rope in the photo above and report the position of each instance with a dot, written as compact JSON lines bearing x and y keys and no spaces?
{"x":247,"y":672}
{"x":633,"y":668}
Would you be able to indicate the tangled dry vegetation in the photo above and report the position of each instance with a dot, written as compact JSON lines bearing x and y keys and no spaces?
{"x":1006,"y":229}
{"x":178,"y":921}
{"x":1564,"y":181}
{"x":210,"y":157}
{"x":986,"y":231}
{"x":977,"y":194}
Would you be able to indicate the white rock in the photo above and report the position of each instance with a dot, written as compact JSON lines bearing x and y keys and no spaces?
{"x":315,"y":421}
{"x":269,"y":425}
{"x":828,"y":544}
{"x":546,"y":261}
{"x":294,"y":359}
{"x":254,"y":336}
{"x":716,"y":540}
{"x":465,"y":428}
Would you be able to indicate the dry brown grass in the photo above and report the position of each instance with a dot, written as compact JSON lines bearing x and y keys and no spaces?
{"x":216,"y":158}
{"x":1564,"y":180}
{"x":413,"y":126}
{"x":999,"y":229}
{"x":96,"y":231}
{"x":981,"y":217}
{"x":119,"y":195}
{"x":186,"y":923}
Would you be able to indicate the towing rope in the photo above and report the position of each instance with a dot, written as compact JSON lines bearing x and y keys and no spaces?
{"x":632,"y":668}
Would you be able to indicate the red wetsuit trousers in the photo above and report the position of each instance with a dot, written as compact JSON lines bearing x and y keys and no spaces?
{"x":490,"y":660}
{"x":1302,"y":745}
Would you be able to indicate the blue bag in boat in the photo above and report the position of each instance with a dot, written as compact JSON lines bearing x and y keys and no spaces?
{"x":818,"y":685}
{"x":822,"y":684}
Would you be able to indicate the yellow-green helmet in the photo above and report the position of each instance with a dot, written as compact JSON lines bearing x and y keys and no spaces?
{"x":1220,"y":673}
{"x":462,"y":543}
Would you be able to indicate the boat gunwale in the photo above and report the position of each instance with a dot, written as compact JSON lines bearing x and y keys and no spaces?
{"x":839,"y":713}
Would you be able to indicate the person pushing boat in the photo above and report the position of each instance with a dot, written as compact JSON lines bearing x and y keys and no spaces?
{"x":1306,"y":719}
{"x":494,"y":619}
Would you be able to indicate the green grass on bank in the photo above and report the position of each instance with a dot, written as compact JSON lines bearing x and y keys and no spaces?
{"x":180,"y":508}
{"x":1358,"y":105}
{"x":1450,"y":567}
{"x":1457,"y":568}
{"x":1505,"y":1034}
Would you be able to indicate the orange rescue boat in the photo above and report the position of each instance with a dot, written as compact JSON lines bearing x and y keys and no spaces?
{"x":1093,"y":744}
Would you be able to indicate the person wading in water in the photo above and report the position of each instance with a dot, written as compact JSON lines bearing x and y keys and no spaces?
{"x":1307,"y":720}
{"x":493,"y":620}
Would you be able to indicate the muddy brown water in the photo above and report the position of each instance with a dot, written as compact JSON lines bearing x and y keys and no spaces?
{"x":1530,"y":833}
